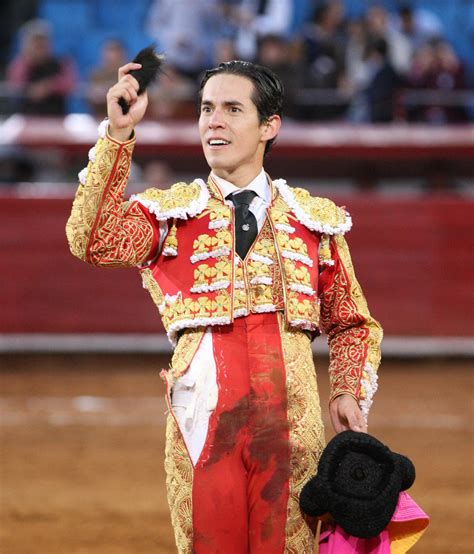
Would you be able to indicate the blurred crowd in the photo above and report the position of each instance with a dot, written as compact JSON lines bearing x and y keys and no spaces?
{"x":382,"y":66}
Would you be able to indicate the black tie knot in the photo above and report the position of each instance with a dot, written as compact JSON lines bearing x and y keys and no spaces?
{"x":243,"y":198}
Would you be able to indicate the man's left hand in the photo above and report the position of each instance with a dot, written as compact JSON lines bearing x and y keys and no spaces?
{"x":346,"y":414}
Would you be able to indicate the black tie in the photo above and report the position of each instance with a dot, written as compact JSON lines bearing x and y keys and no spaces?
{"x":245,"y":222}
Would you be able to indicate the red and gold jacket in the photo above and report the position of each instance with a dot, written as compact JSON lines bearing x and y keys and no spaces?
{"x":299,"y":264}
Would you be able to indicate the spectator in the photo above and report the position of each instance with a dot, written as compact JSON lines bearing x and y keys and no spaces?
{"x":418,"y":26}
{"x":224,"y":51}
{"x":356,"y":70}
{"x":274,"y":52}
{"x":41,"y":81}
{"x":184,"y":30}
{"x":383,"y":85}
{"x":323,"y":53}
{"x":257,"y":18}
{"x":174,"y":97}
{"x":423,"y":64}
{"x":14,"y":14}
{"x":437,"y":69}
{"x":228,"y":25}
{"x":228,"y":18}
{"x":104,"y":76}
{"x":400,"y":51}
{"x":323,"y":47}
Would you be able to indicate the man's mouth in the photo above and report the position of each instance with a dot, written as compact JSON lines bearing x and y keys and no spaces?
{"x":218,"y":143}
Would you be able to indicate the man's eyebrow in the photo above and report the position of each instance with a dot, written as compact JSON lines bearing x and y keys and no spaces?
{"x":227,"y":103}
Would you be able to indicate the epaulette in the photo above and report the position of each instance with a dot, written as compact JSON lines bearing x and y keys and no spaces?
{"x":180,"y":201}
{"x":317,"y":214}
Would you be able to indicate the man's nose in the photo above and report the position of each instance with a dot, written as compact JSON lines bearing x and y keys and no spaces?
{"x":216,"y":120}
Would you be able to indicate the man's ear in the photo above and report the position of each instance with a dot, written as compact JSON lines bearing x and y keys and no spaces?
{"x":271,"y":127}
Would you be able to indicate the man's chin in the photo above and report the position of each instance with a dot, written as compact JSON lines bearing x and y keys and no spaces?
{"x":218,"y":162}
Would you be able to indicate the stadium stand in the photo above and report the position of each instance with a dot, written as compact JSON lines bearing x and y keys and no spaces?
{"x":96,"y":21}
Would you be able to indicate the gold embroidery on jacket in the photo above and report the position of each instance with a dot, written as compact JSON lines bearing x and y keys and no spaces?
{"x":353,"y":334}
{"x":294,"y":248}
{"x":258,"y":272}
{"x":264,"y":282}
{"x":214,"y":277}
{"x":241,"y":301}
{"x":321,"y":210}
{"x":264,"y":279}
{"x":306,"y":432}
{"x":170,"y":246}
{"x":179,"y":196}
{"x":103,"y":229}
{"x":325,"y":251}
{"x":219,"y":214}
{"x":212,"y":246}
{"x":203,"y":308}
{"x":150,"y":284}
{"x":297,"y":275}
{"x":184,"y":352}
{"x":179,"y":483}
{"x":282,"y":219}
{"x":265,"y":245}
{"x":302,"y":312}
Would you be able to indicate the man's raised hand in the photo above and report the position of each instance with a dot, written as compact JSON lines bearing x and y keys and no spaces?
{"x":121,"y":125}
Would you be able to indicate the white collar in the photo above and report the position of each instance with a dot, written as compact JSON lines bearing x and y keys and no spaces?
{"x":259,"y":185}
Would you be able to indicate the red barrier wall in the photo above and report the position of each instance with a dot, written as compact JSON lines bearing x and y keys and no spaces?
{"x":413,"y":257}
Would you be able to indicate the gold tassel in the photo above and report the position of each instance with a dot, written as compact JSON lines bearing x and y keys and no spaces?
{"x":325,"y":251}
{"x":170,"y":246}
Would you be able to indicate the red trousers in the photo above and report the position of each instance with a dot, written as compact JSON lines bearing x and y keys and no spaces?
{"x":240,"y":490}
{"x":241,"y":481}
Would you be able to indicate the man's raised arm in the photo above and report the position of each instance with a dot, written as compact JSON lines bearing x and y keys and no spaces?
{"x":103,"y":229}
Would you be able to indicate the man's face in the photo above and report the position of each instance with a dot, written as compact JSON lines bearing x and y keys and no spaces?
{"x":232,"y":137}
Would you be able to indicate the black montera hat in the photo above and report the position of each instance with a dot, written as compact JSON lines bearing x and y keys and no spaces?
{"x":358,"y":483}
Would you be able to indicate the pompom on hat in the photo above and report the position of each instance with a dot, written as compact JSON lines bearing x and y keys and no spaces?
{"x":358,"y":482}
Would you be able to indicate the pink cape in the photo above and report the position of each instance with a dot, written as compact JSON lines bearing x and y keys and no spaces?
{"x":407,"y":525}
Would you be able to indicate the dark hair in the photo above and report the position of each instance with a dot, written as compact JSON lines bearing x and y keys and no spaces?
{"x":320,"y":13}
{"x":268,"y":89}
{"x":405,"y":10}
{"x":380,"y":46}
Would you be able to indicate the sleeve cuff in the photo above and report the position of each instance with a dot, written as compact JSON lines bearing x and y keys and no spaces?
{"x":337,"y":394}
{"x":131,"y":140}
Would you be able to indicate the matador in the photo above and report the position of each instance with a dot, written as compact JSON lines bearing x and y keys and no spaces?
{"x":245,"y":271}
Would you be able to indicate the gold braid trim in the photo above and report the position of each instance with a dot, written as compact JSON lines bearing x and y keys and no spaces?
{"x":306,"y":433}
{"x":184,"y":352}
{"x":354,"y":336}
{"x":181,"y":200}
{"x":179,"y":484}
{"x":150,"y":284}
{"x":103,"y":229}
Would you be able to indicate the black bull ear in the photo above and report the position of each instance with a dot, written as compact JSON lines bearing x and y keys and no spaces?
{"x":152,"y":65}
